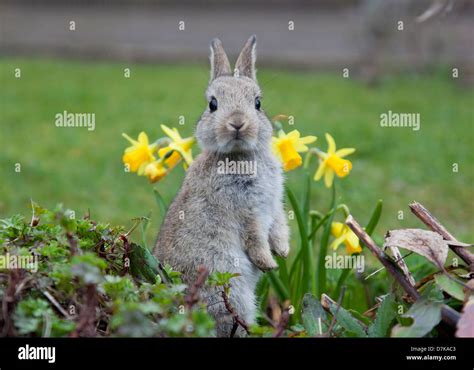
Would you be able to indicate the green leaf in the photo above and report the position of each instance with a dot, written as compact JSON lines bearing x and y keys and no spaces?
{"x":313,"y":315}
{"x":144,"y":265}
{"x":306,"y":201}
{"x":342,"y":278}
{"x":385,"y":316}
{"x":221,"y":278}
{"x":452,"y":287}
{"x":319,"y":224}
{"x":425,"y":315}
{"x":161,"y":203}
{"x":321,"y":287}
{"x":374,"y":219}
{"x":305,"y":247}
{"x":347,"y":321}
{"x":278,"y":286}
{"x":283,"y":271}
{"x":144,"y":228}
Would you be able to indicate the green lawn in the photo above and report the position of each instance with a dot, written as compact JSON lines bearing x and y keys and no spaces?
{"x":83,"y":169}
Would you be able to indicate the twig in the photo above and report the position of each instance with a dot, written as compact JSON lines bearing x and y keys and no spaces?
{"x":72,"y":243}
{"x":339,"y":302}
{"x":429,"y":220}
{"x":56,"y":304}
{"x":383,"y":258}
{"x":87,"y":316}
{"x":401,"y":263}
{"x":284,"y":318}
{"x":383,"y":267}
{"x":430,"y":277}
{"x":9,"y":301}
{"x":193,"y":295}
{"x":235,"y":317}
{"x":126,"y":253}
{"x":449,"y":315}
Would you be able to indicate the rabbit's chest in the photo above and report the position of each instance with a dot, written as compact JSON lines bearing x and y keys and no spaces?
{"x":261,"y":194}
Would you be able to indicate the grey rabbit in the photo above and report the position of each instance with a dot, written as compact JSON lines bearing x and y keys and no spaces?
{"x":229,"y":222}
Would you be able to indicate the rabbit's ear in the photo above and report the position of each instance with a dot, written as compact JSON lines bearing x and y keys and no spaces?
{"x":219,"y":62}
{"x":245,"y":64}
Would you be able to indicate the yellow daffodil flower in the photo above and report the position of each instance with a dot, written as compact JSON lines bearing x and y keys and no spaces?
{"x":332,"y":162}
{"x":344,"y":234}
{"x":140,"y":154}
{"x":155,"y":171}
{"x":287,"y":147}
{"x":179,"y":148}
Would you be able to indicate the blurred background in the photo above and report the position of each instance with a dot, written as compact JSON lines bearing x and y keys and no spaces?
{"x":72,"y":54}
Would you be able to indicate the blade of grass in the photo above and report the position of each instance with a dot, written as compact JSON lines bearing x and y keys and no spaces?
{"x":306,"y":198}
{"x":283,"y":271}
{"x":316,"y":227}
{"x":278,"y":286}
{"x":374,"y":219}
{"x":305,"y":247}
{"x":144,"y":228}
{"x":161,"y":203}
{"x":262,"y":292}
{"x":342,"y":278}
{"x":321,"y":282}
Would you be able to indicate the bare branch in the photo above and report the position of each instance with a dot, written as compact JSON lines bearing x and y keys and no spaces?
{"x":449,"y":315}
{"x":235,"y":317}
{"x":429,"y":220}
{"x":193,"y":294}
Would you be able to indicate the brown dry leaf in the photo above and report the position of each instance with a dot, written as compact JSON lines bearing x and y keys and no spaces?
{"x":425,"y":243}
{"x":466,"y":321}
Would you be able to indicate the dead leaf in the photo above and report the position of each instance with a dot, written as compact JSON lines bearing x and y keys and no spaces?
{"x":466,"y":321}
{"x":425,"y":243}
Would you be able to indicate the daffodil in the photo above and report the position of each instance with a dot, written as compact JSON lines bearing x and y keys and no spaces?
{"x":177,"y":149}
{"x":139,"y":154}
{"x":155,"y":171}
{"x":287,"y":147}
{"x":332,"y":162}
{"x":344,"y":234}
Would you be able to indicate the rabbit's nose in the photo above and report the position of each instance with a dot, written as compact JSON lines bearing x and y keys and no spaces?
{"x":236,"y":125}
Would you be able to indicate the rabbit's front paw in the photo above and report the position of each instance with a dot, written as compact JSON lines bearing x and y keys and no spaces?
{"x":262,"y":259}
{"x":280,"y":246}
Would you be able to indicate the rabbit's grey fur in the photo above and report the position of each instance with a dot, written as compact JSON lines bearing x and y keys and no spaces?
{"x":229,"y":222}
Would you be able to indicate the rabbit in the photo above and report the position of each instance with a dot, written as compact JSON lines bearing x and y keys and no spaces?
{"x":229,"y":222}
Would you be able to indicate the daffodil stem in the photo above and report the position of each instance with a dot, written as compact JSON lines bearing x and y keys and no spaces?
{"x":161,"y":143}
{"x":277,"y":126}
{"x":326,"y":216}
{"x":310,"y":153}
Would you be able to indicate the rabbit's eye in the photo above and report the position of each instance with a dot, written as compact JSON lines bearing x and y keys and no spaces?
{"x":257,"y":103}
{"x":213,"y":104}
